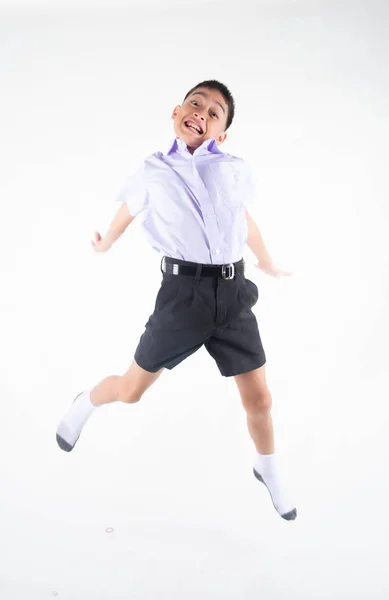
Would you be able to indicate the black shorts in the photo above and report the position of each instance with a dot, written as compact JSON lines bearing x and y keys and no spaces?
{"x":191,"y":311}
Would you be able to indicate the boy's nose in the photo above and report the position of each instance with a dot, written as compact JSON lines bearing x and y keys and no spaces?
{"x":199,"y":116}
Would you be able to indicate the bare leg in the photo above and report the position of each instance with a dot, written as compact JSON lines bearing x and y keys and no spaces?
{"x":125,"y":388}
{"x":257,"y":402}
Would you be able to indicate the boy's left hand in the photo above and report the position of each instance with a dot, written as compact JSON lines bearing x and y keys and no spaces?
{"x":98,"y":243}
{"x":271,"y":269}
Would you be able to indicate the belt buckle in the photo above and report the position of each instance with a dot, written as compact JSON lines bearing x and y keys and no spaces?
{"x":175,"y":267}
{"x":229,"y":266}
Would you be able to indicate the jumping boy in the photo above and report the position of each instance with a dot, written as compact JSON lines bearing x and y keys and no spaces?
{"x":195,"y":200}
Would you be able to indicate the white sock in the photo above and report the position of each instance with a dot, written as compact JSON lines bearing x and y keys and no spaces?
{"x":74,"y":420}
{"x":266,"y":466}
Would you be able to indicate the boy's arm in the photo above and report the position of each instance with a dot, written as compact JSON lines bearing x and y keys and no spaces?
{"x":255,"y":242}
{"x":121,"y":221}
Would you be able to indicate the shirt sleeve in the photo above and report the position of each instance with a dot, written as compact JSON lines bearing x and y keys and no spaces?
{"x":134,"y":192}
{"x":248,"y":188}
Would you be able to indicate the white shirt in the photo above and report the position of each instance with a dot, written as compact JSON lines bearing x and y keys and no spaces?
{"x":193,"y":206}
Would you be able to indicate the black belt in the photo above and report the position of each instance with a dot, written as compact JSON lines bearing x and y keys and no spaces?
{"x":228,"y":271}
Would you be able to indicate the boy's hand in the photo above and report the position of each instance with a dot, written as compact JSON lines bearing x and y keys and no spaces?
{"x":98,"y":243}
{"x":270,"y":269}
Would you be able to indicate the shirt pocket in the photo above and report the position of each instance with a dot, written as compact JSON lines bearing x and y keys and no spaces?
{"x":225,"y":186}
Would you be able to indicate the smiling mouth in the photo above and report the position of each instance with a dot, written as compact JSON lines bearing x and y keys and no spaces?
{"x":192,"y":129}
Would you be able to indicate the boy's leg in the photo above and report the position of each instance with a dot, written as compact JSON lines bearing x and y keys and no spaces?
{"x":126,"y":388}
{"x":257,"y":402}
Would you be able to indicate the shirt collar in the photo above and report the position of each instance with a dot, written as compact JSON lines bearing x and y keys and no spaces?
{"x":208,"y":146}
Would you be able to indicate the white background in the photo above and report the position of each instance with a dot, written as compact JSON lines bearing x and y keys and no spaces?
{"x":85,"y":94}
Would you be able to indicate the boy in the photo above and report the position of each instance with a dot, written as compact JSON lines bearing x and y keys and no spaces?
{"x":204,"y":296}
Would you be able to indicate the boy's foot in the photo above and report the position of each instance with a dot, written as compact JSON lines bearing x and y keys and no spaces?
{"x":71,"y":425}
{"x":266,"y":471}
{"x":282,"y":506}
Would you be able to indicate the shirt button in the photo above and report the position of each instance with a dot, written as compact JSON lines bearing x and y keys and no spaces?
{"x":217,"y":251}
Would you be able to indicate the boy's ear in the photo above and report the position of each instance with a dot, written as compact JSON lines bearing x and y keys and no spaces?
{"x":175,"y":111}
{"x":221,"y":138}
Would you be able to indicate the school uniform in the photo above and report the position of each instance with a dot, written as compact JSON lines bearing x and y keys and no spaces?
{"x":193,"y":213}
{"x":192,"y":210}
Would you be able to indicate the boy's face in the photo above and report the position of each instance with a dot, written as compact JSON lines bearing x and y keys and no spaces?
{"x":206,"y":109}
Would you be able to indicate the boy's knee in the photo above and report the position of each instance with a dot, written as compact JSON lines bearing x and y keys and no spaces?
{"x":129,"y":398}
{"x":128,"y":394}
{"x":260,"y":403}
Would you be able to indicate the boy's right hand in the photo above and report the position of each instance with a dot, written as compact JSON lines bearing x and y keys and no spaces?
{"x":98,"y":243}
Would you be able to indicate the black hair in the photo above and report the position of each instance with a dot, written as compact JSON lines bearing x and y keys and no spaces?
{"x":225,"y":92}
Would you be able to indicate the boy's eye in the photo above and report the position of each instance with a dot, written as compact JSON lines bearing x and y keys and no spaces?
{"x":194,"y":102}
